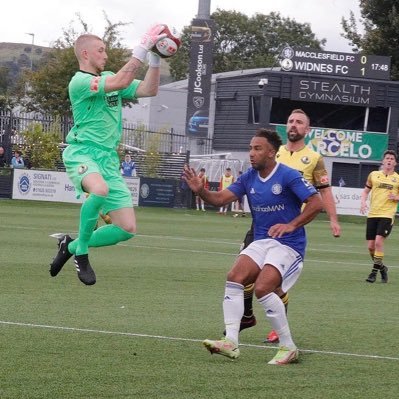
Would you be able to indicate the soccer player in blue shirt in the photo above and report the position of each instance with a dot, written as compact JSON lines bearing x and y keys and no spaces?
{"x":275,"y":194}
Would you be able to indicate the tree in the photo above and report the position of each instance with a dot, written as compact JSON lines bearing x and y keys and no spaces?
{"x":247,"y":42}
{"x":46,"y":89}
{"x":8,"y":88}
{"x":42,"y":147}
{"x":380,"y":20}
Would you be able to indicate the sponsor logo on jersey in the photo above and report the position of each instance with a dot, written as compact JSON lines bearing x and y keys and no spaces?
{"x":95,"y":83}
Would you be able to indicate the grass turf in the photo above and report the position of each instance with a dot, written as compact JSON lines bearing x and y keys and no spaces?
{"x":137,"y":333}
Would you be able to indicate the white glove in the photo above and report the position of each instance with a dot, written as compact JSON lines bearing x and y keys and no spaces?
{"x":152,"y":36}
{"x":154,"y":60}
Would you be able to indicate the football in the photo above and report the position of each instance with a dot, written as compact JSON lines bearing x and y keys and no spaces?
{"x":168,"y":46}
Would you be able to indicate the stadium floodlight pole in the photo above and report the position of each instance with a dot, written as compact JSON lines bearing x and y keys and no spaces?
{"x":204,"y":9}
{"x":33,"y":43}
{"x":265,"y":103}
{"x":33,"y":37}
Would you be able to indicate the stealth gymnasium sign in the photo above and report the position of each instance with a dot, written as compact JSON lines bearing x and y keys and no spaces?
{"x":333,"y":91}
{"x":352,"y":65}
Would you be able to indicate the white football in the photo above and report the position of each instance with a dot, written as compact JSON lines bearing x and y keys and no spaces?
{"x":168,"y":46}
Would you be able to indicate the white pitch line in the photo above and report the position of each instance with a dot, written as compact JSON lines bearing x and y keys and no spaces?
{"x":307,"y":260}
{"x":89,"y":330}
{"x":170,"y":249}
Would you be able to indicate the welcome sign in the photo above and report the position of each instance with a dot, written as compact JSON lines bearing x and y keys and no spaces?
{"x":343,"y":143}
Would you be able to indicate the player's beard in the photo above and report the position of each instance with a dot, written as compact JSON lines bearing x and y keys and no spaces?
{"x":293,"y":136}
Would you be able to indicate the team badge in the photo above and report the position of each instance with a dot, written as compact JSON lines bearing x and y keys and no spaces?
{"x":277,"y":189}
{"x":144,"y":190}
{"x":82,"y":169}
{"x":305,"y":160}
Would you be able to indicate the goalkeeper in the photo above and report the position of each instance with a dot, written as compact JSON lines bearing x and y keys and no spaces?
{"x":91,"y":159}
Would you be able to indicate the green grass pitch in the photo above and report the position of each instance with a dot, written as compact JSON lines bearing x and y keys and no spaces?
{"x":137,"y":333}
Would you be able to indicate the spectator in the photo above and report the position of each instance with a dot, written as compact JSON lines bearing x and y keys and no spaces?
{"x":3,"y":161}
{"x":17,"y":161}
{"x":128,"y":167}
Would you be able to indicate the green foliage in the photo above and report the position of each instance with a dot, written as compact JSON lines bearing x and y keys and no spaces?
{"x":42,"y":147}
{"x":48,"y":86}
{"x":152,"y":159}
{"x":8,"y":88}
{"x":380,"y":20}
{"x":4,"y":82}
{"x":242,"y":42}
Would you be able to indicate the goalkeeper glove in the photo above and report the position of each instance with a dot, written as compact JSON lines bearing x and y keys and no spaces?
{"x":152,"y":36}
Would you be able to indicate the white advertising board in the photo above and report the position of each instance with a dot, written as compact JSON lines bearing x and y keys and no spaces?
{"x":53,"y":186}
{"x":44,"y":185}
{"x":347,"y":200}
{"x":133,"y":183}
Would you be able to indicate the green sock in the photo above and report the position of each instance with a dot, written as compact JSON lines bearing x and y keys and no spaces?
{"x":88,"y":219}
{"x":109,"y":234}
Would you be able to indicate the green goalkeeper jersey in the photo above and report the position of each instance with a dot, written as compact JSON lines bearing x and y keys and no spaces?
{"x":97,"y":114}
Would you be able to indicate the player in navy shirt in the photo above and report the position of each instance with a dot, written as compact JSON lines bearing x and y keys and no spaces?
{"x":275,"y":195}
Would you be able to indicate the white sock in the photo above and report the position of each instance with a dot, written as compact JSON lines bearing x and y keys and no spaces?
{"x":233,"y":309}
{"x":275,"y":312}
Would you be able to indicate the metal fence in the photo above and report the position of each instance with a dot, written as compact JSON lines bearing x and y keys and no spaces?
{"x":134,"y":136}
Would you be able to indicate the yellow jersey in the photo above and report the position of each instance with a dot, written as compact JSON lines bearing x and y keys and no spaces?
{"x":225,"y":182}
{"x":381,"y":185}
{"x":308,"y":162}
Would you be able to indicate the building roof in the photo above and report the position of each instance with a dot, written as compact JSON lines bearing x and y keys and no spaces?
{"x":182,"y":84}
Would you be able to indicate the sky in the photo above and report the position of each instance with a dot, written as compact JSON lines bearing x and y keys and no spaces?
{"x":43,"y":21}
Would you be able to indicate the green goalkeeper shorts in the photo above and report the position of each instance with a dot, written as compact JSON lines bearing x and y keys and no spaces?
{"x":81,"y":160}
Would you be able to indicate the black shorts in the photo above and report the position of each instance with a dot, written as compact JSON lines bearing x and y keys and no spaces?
{"x":378,"y":227}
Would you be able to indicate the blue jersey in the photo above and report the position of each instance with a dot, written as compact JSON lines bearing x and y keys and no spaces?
{"x":275,"y":199}
{"x":128,"y":168}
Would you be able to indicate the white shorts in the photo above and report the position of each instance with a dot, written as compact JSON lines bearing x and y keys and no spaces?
{"x":287,"y":261}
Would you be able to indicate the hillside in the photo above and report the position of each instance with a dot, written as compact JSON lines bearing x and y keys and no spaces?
{"x":17,"y":56}
{"x":20,"y":55}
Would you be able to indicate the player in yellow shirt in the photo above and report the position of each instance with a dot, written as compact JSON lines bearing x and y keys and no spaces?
{"x":383,"y":187}
{"x":225,"y":181}
{"x":310,"y":163}
{"x":200,"y":203}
